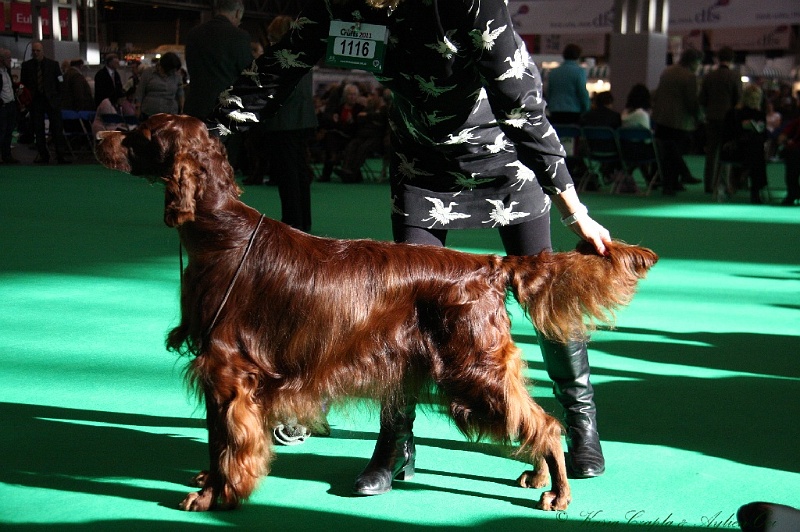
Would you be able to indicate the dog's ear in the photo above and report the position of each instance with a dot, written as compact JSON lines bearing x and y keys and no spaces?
{"x":181,"y":189}
{"x":145,"y":131}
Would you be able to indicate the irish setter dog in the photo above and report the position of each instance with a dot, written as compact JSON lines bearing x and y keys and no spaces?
{"x":278,"y":321}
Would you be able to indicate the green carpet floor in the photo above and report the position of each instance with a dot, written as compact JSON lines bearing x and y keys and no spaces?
{"x":697,"y":387}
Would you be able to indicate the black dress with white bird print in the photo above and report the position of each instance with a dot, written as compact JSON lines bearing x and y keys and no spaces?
{"x":472,"y":146}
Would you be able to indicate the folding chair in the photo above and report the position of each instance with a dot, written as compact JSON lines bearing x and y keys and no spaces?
{"x":600,"y":148}
{"x":375,"y":168}
{"x":638,"y":147}
{"x":113,"y":121}
{"x":77,"y":131}
{"x":569,"y":135}
{"x":374,"y":171}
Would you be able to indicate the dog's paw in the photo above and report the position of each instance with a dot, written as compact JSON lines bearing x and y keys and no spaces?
{"x":551,"y":501}
{"x":533,"y":479}
{"x":198,"y":501}
{"x":199,"y":480}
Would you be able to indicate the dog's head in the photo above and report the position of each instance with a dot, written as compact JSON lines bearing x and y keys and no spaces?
{"x":175,"y":149}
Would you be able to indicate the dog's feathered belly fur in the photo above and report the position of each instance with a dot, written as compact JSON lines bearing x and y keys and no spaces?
{"x":313,"y":319}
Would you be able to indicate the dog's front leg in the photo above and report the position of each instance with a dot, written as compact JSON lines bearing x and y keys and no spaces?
{"x":536,"y":478}
{"x":238,"y":452}
{"x":208,"y":480}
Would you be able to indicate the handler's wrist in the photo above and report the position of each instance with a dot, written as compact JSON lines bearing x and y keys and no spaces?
{"x":580,"y":212}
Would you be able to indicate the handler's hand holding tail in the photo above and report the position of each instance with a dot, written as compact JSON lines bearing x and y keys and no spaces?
{"x":575,"y":216}
{"x":589,"y":230}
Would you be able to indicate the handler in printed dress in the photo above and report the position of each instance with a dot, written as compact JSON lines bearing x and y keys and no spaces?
{"x":471,"y":148}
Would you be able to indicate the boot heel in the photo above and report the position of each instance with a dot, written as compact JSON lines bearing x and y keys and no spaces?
{"x":393,"y":457}
{"x":407,"y":473}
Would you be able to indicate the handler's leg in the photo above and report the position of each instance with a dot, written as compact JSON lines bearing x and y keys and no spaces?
{"x":566,"y":364}
{"x":394,"y":451}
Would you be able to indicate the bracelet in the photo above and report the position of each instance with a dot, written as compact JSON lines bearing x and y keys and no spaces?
{"x":575,"y":216}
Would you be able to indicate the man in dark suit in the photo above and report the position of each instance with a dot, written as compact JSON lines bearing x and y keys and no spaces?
{"x":8,"y":107}
{"x":216,"y":53}
{"x":42,"y":76}
{"x":720,"y":92}
{"x":107,"y":81}
{"x":676,"y":114}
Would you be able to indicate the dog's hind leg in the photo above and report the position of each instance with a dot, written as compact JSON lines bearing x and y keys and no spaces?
{"x":238,"y":446}
{"x":539,"y":436}
{"x":493,"y":401}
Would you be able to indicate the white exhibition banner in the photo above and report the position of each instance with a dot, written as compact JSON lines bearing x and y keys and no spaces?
{"x":542,"y":17}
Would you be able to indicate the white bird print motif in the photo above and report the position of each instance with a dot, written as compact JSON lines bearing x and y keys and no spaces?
{"x":300,"y":22}
{"x":221,"y":129}
{"x":289,"y":60}
{"x":500,"y":144}
{"x":408,"y":169}
{"x":445,"y":47}
{"x":252,"y":73}
{"x":485,"y":39}
{"x":226,"y":99}
{"x":463,"y":136}
{"x":517,"y":118}
{"x":503,"y":215}
{"x":242,"y":116}
{"x":481,"y":96}
{"x":517,"y":66}
{"x":537,"y":119}
{"x":524,"y":174}
{"x":441,"y":214}
{"x":553,"y":168}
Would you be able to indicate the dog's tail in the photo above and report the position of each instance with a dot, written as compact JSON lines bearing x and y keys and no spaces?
{"x":567,"y":294}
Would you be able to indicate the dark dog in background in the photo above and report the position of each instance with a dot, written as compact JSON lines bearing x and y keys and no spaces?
{"x":279,"y":321}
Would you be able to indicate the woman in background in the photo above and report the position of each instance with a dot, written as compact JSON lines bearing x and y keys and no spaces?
{"x":160,"y":89}
{"x":744,"y":137}
{"x":637,"y":107}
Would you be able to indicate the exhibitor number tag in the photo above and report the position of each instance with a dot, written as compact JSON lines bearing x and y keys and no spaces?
{"x":358,"y":46}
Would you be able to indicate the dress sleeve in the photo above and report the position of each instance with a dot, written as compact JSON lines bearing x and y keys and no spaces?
{"x":270,"y":80}
{"x":514,"y":89}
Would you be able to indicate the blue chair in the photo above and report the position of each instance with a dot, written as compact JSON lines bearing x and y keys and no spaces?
{"x":600,"y":150}
{"x":639,"y":149}
{"x":78,"y":131}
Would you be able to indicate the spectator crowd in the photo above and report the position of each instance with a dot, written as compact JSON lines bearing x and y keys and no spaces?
{"x":715,"y":115}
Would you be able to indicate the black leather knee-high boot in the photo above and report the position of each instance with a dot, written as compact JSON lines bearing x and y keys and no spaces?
{"x":568,"y":368}
{"x":394,"y":452}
